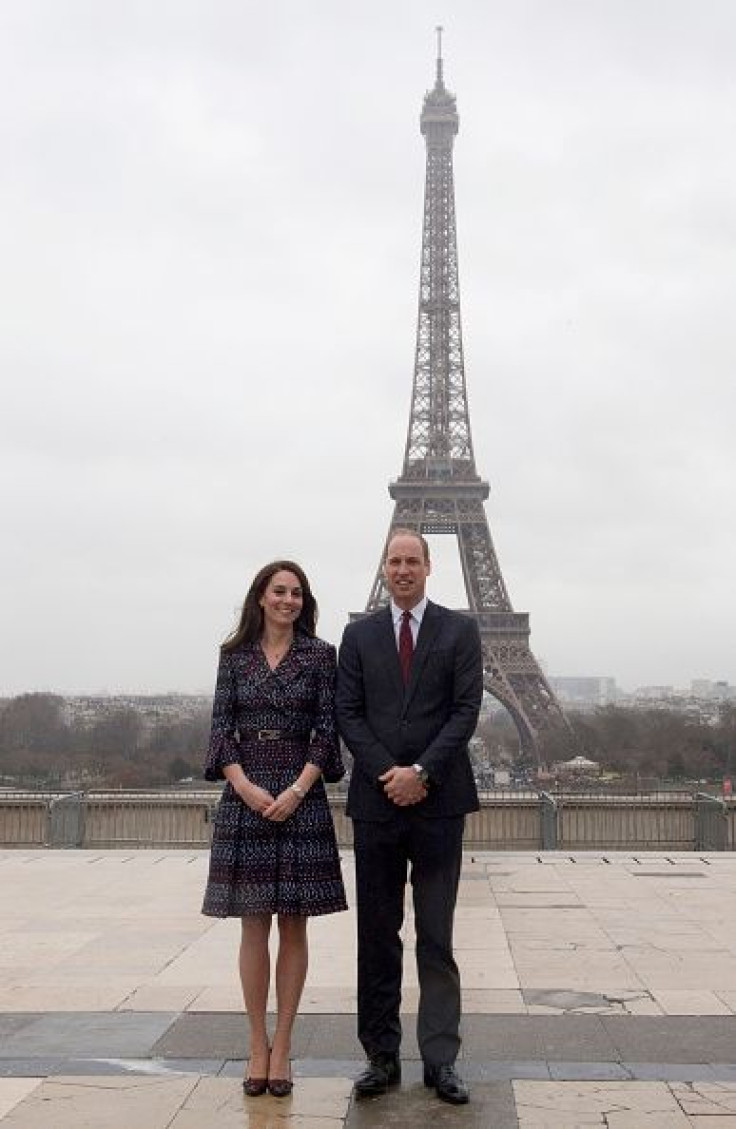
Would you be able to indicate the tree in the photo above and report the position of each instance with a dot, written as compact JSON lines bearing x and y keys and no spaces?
{"x":117,"y":734}
{"x":34,"y":723}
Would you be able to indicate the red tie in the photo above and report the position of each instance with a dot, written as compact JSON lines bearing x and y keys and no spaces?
{"x":406,"y":645}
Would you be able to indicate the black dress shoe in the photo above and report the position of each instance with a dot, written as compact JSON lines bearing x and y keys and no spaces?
{"x":381,"y":1072}
{"x":447,"y":1082}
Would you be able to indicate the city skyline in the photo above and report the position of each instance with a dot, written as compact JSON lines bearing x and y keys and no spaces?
{"x":694,"y":687}
{"x":211,"y":236}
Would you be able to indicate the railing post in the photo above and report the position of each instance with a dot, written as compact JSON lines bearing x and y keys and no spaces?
{"x":711,"y":823}
{"x":66,"y":820}
{"x":548,"y":822}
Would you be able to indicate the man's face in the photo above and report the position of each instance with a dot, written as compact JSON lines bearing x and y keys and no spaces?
{"x":406,"y":570}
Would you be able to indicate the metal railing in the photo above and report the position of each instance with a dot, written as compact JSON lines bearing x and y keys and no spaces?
{"x":642,"y":822}
{"x":506,"y":821}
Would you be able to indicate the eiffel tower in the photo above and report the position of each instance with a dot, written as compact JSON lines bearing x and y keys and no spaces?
{"x":439,"y":490}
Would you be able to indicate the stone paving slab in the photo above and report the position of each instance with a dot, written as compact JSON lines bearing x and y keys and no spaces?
{"x":10,"y":1024}
{"x":101,"y":1103}
{"x":35,"y":1067}
{"x":638,"y":1105}
{"x":610,"y":1105}
{"x":679,"y":1071}
{"x":318,"y":1103}
{"x":536,"y":1037}
{"x":15,"y":1090}
{"x":130,"y":1034}
{"x":673,"y":1039}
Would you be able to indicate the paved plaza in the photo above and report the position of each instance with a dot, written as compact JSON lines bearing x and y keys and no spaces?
{"x":599,"y":991}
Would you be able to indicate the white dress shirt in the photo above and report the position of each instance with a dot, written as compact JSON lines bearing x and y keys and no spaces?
{"x":415,"y":619}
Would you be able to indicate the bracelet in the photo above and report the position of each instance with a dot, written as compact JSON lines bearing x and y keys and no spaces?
{"x":299,"y":791}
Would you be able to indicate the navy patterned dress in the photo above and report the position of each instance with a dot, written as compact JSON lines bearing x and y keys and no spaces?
{"x":258,"y":865}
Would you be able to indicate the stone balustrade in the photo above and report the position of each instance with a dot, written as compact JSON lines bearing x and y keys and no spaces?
{"x":506,"y":821}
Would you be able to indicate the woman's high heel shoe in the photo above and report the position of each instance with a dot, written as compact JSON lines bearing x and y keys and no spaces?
{"x":281,"y":1087}
{"x":255,"y":1087}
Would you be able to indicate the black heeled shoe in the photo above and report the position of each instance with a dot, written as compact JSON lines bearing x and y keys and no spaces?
{"x":255,"y":1087}
{"x":281,"y":1087}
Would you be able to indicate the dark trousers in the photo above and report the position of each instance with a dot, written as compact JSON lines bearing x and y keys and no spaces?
{"x":432,"y":849}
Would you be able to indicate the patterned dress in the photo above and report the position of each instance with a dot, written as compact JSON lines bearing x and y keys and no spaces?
{"x":258,"y":865}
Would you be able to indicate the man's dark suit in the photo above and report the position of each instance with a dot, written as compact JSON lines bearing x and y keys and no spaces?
{"x":428,"y":722}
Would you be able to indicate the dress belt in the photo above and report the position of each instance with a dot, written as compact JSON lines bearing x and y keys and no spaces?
{"x":274,"y":735}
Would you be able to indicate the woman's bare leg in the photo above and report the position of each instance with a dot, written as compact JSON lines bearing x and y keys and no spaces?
{"x":291,"y":972}
{"x":255,"y":973}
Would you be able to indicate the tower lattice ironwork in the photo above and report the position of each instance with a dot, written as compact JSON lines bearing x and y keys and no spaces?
{"x":439,"y":490}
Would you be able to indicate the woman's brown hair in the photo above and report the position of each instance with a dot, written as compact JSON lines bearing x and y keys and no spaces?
{"x":250,"y":627}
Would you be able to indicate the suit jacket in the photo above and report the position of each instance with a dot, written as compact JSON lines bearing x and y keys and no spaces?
{"x":428,"y":722}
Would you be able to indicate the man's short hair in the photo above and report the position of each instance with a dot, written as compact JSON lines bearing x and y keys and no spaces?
{"x":400,"y":531}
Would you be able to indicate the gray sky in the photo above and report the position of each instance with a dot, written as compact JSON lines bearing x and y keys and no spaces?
{"x":210,"y":220}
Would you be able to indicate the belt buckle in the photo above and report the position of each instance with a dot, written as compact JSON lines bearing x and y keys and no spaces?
{"x":268,"y":734}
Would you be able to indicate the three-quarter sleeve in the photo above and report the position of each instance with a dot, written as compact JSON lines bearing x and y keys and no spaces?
{"x":324,"y":744}
{"x":223,"y":747}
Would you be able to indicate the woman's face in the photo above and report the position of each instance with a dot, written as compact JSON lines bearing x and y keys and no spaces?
{"x":282,"y":600}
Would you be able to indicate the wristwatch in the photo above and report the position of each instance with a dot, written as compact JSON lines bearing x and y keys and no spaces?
{"x":422,"y":774}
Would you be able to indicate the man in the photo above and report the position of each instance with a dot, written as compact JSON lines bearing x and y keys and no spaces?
{"x":409,"y":688}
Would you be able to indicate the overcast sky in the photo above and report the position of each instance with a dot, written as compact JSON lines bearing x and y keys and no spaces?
{"x":210,"y":222}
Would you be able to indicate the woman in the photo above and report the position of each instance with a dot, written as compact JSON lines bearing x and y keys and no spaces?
{"x":273,"y":843}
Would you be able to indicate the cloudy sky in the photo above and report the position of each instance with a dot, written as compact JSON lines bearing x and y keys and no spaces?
{"x":209,"y":243}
